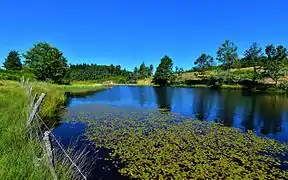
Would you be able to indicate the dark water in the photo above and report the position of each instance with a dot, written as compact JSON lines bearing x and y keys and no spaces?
{"x":266,"y":114}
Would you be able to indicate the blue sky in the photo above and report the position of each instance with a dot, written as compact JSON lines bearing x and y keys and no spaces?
{"x":127,"y":32}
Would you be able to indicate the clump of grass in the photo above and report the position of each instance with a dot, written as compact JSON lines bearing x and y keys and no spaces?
{"x":152,"y":145}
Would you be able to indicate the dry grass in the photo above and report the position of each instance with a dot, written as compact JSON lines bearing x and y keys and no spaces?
{"x":146,"y":81}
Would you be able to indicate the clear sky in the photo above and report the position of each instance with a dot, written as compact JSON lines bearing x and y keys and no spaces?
{"x":127,"y":32}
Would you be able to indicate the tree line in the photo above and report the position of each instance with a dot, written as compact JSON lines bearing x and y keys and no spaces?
{"x":49,"y":64}
{"x":271,"y":63}
{"x":83,"y":72}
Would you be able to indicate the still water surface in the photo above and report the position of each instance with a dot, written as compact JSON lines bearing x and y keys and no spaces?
{"x":266,"y":114}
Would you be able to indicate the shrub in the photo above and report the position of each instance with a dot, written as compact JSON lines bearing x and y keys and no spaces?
{"x":283,"y":86}
{"x":215,"y":81}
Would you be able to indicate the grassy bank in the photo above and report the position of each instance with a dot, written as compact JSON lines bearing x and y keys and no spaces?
{"x":225,"y":86}
{"x":17,"y":159}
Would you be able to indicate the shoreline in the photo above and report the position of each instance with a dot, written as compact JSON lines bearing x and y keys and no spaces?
{"x":223,"y":87}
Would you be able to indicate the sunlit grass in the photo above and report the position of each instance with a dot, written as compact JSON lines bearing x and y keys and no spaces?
{"x":17,"y":159}
{"x":21,"y":157}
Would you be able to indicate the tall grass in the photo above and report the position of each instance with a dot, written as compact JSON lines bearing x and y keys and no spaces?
{"x":17,"y":159}
{"x":22,"y":158}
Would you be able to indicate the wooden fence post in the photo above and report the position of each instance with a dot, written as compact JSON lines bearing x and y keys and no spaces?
{"x":22,"y":80}
{"x":29,"y":91}
{"x":35,"y":109}
{"x":48,"y":147}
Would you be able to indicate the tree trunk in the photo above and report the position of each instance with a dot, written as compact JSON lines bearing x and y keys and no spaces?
{"x":229,"y":78}
{"x":254,"y":75}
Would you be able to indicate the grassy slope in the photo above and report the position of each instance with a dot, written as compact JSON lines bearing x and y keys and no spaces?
{"x":242,"y":73}
{"x":17,"y":159}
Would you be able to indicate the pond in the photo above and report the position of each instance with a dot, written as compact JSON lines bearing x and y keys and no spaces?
{"x":265,"y":114}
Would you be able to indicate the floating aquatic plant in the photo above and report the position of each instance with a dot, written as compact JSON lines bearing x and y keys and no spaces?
{"x":154,"y":145}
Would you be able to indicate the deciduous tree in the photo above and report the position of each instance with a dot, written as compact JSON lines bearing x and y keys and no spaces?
{"x":47,"y":62}
{"x":274,"y":66}
{"x":227,"y":55}
{"x":179,"y":71}
{"x":254,"y":54}
{"x":203,"y":63}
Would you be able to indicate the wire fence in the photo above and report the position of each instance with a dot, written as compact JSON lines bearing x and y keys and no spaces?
{"x":38,"y":129}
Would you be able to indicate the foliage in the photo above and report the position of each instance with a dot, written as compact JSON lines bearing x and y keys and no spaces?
{"x":203,"y":63}
{"x":13,"y":61}
{"x":16,"y":75}
{"x":100,"y":73}
{"x":237,"y":64}
{"x":47,"y":62}
{"x":253,"y":55}
{"x":151,"y":68}
{"x":143,"y":71}
{"x":243,"y":74}
{"x":161,"y":145}
{"x":274,"y":66}
{"x":283,"y":87}
{"x":214,"y":81}
{"x":227,"y":55}
{"x":179,"y":71}
{"x":164,"y":71}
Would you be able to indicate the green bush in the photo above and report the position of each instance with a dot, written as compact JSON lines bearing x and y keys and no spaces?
{"x":247,"y":74}
{"x":15,"y":75}
{"x":215,"y":81}
{"x":283,"y":87}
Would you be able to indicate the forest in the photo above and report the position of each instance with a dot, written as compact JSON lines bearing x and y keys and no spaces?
{"x":100,"y":73}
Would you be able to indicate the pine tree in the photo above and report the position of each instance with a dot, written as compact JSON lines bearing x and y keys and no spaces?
{"x":13,"y":61}
{"x":143,"y":73}
{"x":151,"y":68}
{"x":164,"y":71}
